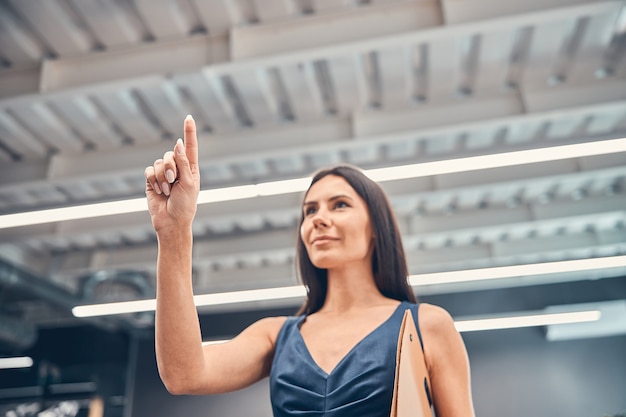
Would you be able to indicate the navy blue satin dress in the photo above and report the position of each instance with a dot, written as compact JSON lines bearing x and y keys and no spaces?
{"x":361,"y":385}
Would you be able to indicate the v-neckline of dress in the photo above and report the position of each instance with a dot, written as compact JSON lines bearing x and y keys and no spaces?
{"x":345,"y":357}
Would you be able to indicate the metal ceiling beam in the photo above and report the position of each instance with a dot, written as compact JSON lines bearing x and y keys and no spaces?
{"x":458,"y":11}
{"x":108,"y":68}
{"x":164,"y":57}
{"x":347,"y":25}
{"x":19,"y":81}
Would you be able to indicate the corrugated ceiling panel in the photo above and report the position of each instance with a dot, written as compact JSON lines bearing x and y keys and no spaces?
{"x":56,"y":26}
{"x":166,"y":104}
{"x":341,"y":80}
{"x":218,"y":16}
{"x":112,"y":23}
{"x":258,"y":100}
{"x":442,"y":75}
{"x":206,"y":92}
{"x":18,"y":140}
{"x":125,"y":111}
{"x":394,"y":65}
{"x":302,"y":91}
{"x":272,"y":10}
{"x":48,"y":127}
{"x":17,"y":44}
{"x":167,"y":19}
{"x":85,"y":117}
{"x":493,"y":61}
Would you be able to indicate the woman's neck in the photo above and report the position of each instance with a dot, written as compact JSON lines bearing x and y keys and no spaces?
{"x":351,"y":288}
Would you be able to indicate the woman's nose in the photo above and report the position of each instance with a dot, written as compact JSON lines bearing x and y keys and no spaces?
{"x":321,"y":219}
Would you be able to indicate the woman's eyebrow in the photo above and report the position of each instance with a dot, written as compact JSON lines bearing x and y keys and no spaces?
{"x":333,"y":198}
{"x":339,"y":196}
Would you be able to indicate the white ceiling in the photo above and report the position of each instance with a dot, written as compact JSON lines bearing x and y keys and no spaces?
{"x":93,"y":91}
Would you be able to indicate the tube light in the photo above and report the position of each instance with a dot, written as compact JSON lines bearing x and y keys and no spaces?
{"x":300,"y":184}
{"x":84,"y":211}
{"x":16,"y":362}
{"x":517,"y":270}
{"x":92,"y":310}
{"x":474,"y":163}
{"x":298,"y":291}
{"x":532,"y":320}
{"x":109,"y":309}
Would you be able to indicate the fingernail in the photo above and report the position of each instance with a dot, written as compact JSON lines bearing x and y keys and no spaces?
{"x":189,"y":117}
{"x":180,"y":147}
{"x":169,"y":174}
{"x":156,"y":188}
{"x":166,"y":188}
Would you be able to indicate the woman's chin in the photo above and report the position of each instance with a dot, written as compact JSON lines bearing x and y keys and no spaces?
{"x":324,"y":263}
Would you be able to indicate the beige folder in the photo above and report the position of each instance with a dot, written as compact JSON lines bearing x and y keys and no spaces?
{"x":412,"y":386}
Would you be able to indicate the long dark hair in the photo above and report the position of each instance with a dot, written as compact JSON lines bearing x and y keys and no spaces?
{"x":388,"y":259}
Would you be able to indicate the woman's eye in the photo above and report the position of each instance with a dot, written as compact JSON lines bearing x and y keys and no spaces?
{"x":309,"y":210}
{"x":341,"y":204}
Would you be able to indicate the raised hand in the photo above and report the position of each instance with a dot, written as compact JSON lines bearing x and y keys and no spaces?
{"x":173,"y":183}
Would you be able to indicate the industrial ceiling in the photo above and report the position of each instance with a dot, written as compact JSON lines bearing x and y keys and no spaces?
{"x":92,"y":91}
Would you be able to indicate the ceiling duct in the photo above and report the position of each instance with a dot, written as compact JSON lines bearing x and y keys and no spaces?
{"x":94,"y":286}
{"x":16,"y":334}
{"x":106,"y":286}
{"x":14,"y":277}
{"x":27,"y":283}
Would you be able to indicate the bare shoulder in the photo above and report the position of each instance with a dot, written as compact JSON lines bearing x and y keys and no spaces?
{"x":257,"y":341}
{"x":271,"y":324}
{"x":447,"y":362}
{"x":268,"y":327}
{"x":435,"y":319}
{"x":440,"y":337}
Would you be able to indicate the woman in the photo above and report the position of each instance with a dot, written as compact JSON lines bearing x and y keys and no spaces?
{"x":337,"y":356}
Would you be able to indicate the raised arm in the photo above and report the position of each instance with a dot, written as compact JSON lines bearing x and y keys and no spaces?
{"x":447,"y":363}
{"x":185,"y":366}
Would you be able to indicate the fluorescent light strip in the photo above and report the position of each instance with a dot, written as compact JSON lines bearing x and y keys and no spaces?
{"x":254,"y":190}
{"x":85,"y":211}
{"x":233,"y":297}
{"x":517,"y":271}
{"x":298,"y":291}
{"x":500,"y":160}
{"x":16,"y":362}
{"x":300,"y":184}
{"x":533,"y":320}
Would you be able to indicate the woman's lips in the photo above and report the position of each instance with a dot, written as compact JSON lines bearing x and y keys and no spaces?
{"x":323,"y":240}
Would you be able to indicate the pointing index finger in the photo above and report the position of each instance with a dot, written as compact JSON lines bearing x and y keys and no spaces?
{"x":191,"y":141}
